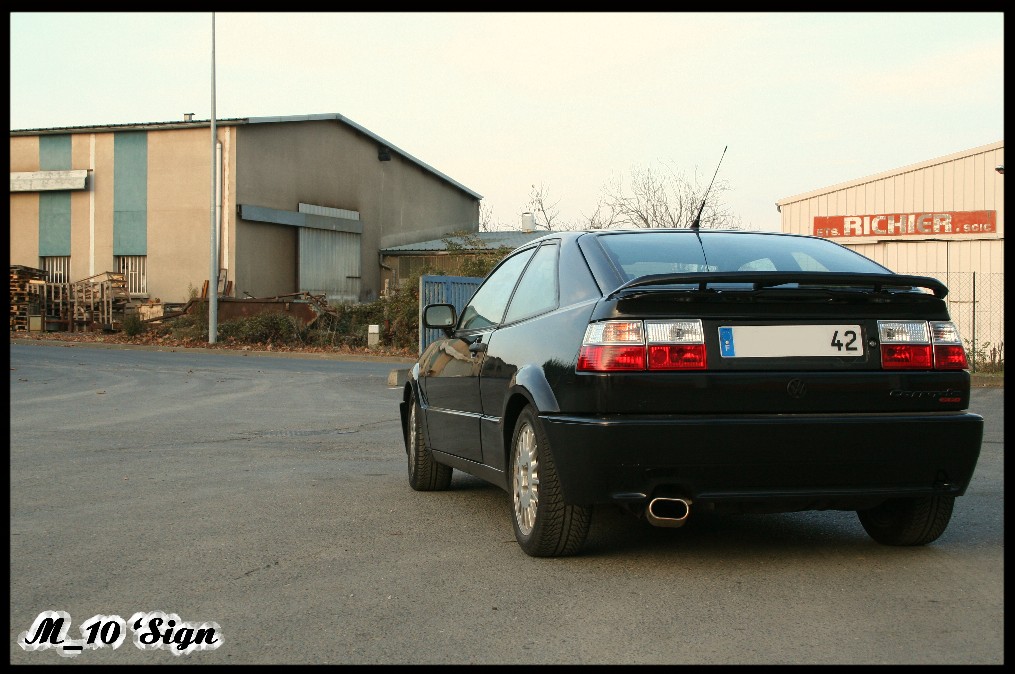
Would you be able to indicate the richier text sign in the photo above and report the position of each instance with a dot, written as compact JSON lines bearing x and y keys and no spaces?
{"x":906,"y":224}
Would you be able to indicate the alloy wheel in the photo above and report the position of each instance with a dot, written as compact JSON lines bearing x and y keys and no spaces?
{"x":525,"y":481}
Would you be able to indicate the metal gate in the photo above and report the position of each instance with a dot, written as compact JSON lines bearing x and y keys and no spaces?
{"x":455,"y":290}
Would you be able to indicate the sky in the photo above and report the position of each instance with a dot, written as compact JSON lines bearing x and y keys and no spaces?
{"x":568,"y":103}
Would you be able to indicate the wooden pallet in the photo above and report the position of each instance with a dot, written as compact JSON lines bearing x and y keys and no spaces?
{"x":99,"y":301}
{"x":26,"y":288}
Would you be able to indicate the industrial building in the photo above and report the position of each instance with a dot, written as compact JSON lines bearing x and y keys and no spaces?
{"x":321,"y":205}
{"x":302,"y":204}
{"x":942,"y":218}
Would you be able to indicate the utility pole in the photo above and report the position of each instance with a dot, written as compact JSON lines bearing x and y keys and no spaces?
{"x":213,"y":276}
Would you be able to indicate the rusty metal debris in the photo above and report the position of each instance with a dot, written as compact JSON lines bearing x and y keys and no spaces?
{"x":102,"y":301}
{"x":305,"y":308}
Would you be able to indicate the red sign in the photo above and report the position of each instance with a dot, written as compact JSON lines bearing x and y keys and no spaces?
{"x":906,"y":224}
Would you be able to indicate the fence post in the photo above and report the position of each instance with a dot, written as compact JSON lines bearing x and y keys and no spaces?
{"x":974,"y":321}
{"x":423,"y":301}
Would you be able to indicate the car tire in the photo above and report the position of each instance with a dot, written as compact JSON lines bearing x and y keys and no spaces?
{"x":908,"y":521}
{"x":544,"y":525}
{"x":425,"y":474}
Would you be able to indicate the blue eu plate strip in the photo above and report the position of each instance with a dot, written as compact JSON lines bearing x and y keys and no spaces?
{"x":726,"y":343}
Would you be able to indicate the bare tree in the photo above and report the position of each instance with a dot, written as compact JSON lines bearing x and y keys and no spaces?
{"x":665,"y":198}
{"x":487,"y":222}
{"x":651,"y":197}
{"x":541,"y":205}
{"x":486,"y":218}
{"x":603,"y":217}
{"x":547,"y":214}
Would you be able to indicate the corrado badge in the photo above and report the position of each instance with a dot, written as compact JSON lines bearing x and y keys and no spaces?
{"x":945,"y":396}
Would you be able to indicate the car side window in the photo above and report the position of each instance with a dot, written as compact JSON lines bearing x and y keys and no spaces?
{"x":487,"y":306}
{"x":537,"y":291}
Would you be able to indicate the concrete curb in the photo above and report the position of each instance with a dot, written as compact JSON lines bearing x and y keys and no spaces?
{"x":987,"y":381}
{"x":397,"y":378}
{"x":311,"y":355}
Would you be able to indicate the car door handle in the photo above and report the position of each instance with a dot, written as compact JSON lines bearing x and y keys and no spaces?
{"x":477,"y":347}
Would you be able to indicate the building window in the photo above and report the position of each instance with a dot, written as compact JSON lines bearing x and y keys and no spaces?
{"x":57,"y":268}
{"x":133,"y":269}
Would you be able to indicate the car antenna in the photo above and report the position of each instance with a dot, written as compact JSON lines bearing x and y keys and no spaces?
{"x":696,"y":225}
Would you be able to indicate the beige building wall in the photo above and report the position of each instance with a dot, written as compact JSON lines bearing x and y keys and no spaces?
{"x":92,"y":208}
{"x":24,"y":216}
{"x":81,"y":234}
{"x":962,"y":182}
{"x":270,"y":164}
{"x":178,"y":203}
{"x":179,"y":212}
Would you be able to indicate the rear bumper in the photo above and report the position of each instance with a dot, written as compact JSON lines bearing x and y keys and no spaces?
{"x":773,"y":462}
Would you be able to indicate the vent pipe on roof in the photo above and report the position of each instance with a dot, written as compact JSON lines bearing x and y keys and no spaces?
{"x":188,"y":116}
{"x":528,"y":222}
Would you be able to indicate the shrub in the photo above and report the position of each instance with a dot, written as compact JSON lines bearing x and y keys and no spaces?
{"x":277,"y":328}
{"x":985,"y":357}
{"x":193,"y":325}
{"x":401,"y":313}
{"x":132,"y":324}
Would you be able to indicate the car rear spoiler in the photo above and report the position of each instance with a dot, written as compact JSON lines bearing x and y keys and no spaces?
{"x":768,"y":279}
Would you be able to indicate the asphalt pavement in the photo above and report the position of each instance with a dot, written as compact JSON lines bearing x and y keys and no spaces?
{"x":266,"y":493}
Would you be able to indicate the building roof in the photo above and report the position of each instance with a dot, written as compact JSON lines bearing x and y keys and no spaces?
{"x":490,"y":240}
{"x":887,"y":174}
{"x":238,"y":121}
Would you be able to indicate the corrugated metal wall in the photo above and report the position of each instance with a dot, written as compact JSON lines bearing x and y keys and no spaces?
{"x":959,"y":182}
{"x":329,"y":264}
{"x":971,"y":265}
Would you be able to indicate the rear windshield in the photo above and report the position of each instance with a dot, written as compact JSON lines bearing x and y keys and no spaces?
{"x":641,"y":253}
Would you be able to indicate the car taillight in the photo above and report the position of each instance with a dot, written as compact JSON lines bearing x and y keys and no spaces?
{"x":919,"y":345}
{"x":615,"y":346}
{"x":675,"y":345}
{"x":948,"y":351}
{"x":612,"y":346}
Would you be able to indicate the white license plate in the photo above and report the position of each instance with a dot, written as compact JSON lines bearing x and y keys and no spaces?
{"x":786,"y":341}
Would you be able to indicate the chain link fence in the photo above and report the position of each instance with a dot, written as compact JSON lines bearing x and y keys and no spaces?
{"x":976,"y":304}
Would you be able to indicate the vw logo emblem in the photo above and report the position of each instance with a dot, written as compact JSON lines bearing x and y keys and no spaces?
{"x":796,"y":388}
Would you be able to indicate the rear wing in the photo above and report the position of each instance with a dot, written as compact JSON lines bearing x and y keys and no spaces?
{"x":769,"y":279}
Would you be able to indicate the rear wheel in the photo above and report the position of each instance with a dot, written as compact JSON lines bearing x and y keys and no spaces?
{"x":908,"y":521}
{"x":544,"y":525}
{"x":425,"y":474}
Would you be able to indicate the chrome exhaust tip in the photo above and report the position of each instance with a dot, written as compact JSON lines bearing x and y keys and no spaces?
{"x":668,"y":512}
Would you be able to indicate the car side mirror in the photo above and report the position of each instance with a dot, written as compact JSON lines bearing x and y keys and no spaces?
{"x":440,"y":316}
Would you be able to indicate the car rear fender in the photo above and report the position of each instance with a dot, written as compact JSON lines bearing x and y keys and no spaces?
{"x":532,"y":379}
{"x":528,"y":387}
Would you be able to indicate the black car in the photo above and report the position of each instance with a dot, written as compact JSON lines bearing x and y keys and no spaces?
{"x":669,"y":371}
